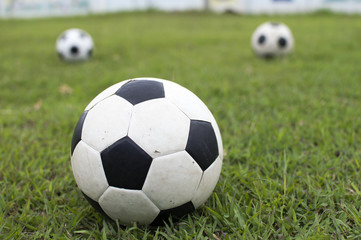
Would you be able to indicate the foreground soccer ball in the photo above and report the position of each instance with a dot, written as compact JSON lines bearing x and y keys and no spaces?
{"x":272,"y":39}
{"x":145,"y":149}
{"x":74,"y":45}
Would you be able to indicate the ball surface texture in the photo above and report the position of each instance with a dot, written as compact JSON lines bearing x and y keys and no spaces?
{"x":74,"y":45}
{"x":145,"y":149}
{"x":272,"y":39}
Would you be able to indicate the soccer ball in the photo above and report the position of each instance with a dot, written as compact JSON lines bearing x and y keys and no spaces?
{"x":74,"y":45}
{"x":145,"y":149}
{"x":272,"y":39}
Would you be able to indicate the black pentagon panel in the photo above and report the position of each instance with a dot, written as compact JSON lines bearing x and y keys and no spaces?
{"x":138,"y":91}
{"x":96,"y":206}
{"x":275,"y":24}
{"x":90,"y":53}
{"x":175,"y":213}
{"x":268,"y":55}
{"x":282,"y":42}
{"x":261,"y":39}
{"x":125,"y":164}
{"x":77,"y":132}
{"x":74,"y":50}
{"x":202,"y":143}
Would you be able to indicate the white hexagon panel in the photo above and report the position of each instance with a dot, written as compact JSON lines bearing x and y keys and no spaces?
{"x":106,"y":93}
{"x":88,"y":171}
{"x":187,"y":102}
{"x":208,"y":183}
{"x":172,"y":180}
{"x":159,"y":127}
{"x":128,"y":206}
{"x":106,"y":122}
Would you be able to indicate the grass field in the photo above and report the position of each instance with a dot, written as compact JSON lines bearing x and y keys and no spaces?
{"x":291,"y":127}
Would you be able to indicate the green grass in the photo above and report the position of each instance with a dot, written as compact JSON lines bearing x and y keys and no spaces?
{"x":291,"y":127}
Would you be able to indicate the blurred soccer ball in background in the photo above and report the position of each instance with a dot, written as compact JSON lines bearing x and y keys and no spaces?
{"x":74,"y":45}
{"x":272,"y":39}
